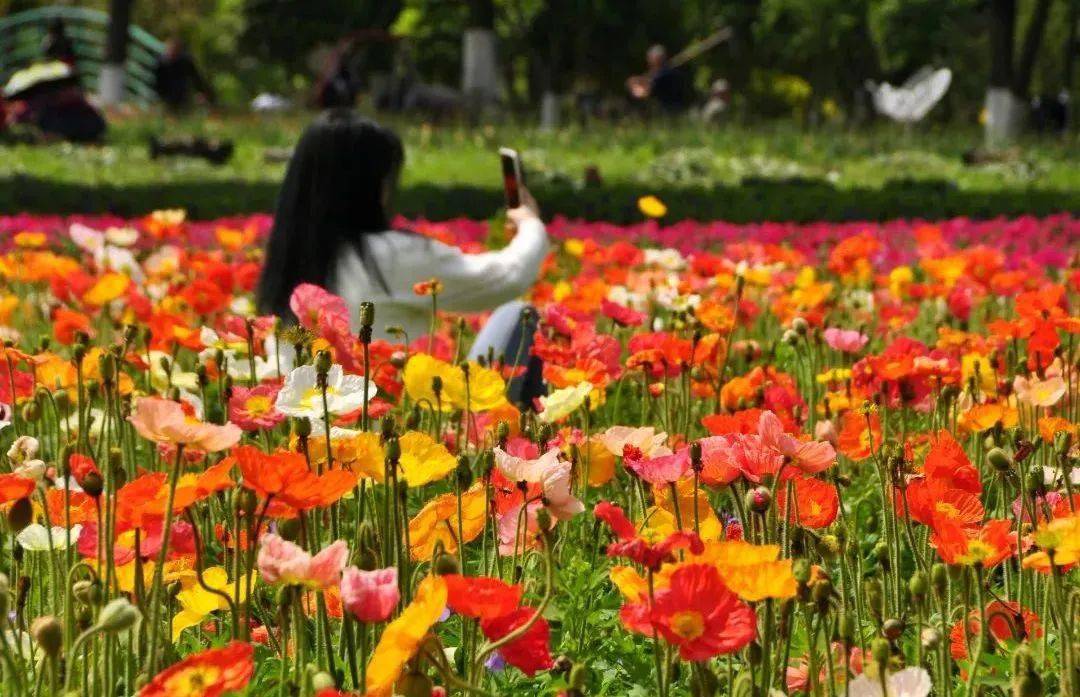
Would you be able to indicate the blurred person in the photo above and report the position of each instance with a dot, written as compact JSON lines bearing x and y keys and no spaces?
{"x":338,"y":86}
{"x":332,"y":228}
{"x":48,"y":102}
{"x":663,"y":83}
{"x":716,"y":107}
{"x":177,"y":79}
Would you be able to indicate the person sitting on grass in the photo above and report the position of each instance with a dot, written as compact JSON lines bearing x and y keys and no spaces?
{"x":332,"y":228}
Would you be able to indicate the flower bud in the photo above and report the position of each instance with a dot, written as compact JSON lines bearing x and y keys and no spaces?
{"x":758,"y":499}
{"x":392,"y":450}
{"x":414,"y":684}
{"x":939,"y":577}
{"x":446,"y":564}
{"x":322,"y":681}
{"x":117,"y":616}
{"x":918,"y":584}
{"x":301,"y":427}
{"x":49,"y":634}
{"x":892,"y":629}
{"x":463,"y":473}
{"x":800,"y":325}
{"x":1000,"y":459}
{"x":323,"y":362}
{"x":367,"y":314}
{"x":87,"y":592}
{"x":930,"y":638}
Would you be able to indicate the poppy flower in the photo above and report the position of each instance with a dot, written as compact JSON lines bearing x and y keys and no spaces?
{"x":845,"y":340}
{"x":14,"y":487}
{"x":858,"y":439}
{"x":947,"y":462}
{"x":814,"y":502}
{"x":909,"y":682}
{"x":663,"y":469}
{"x":197,"y":603}
{"x":252,"y":408}
{"x":1005,"y":621}
{"x":285,"y":478}
{"x":481,"y":596}
{"x":530,"y":652}
{"x":698,"y":614}
{"x":67,"y":323}
{"x":423,"y":460}
{"x":987,"y":545}
{"x":652,"y":207}
{"x":438,"y":521}
{"x":926,"y":498}
{"x":402,"y":637}
{"x":371,"y":596}
{"x":284,"y":562}
{"x":302,"y":397}
{"x":560,"y":404}
{"x":809,"y":456}
{"x":208,"y":673}
{"x":164,"y":421}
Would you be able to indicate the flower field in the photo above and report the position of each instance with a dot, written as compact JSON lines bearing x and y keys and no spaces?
{"x":821,"y":459}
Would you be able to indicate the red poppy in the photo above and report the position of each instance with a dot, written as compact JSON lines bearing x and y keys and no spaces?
{"x":744,"y":421}
{"x":481,"y":596}
{"x":929,"y":497}
{"x":528,"y":653}
{"x":14,"y":487}
{"x":815,"y":502}
{"x":696,"y":613}
{"x":1007,"y":621}
{"x":82,"y":466}
{"x":988,"y":545}
{"x":947,"y":462}
{"x":66,"y":323}
{"x":205,"y":674}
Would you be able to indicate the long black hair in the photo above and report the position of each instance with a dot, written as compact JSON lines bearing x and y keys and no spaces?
{"x":333,"y":195}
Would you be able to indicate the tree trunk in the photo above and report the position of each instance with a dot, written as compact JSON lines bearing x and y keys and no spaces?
{"x":479,"y":67}
{"x":1004,"y":112}
{"x":111,"y":79}
{"x":1029,"y":52}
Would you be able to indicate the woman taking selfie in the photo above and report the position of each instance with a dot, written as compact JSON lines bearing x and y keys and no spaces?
{"x":332,"y":228}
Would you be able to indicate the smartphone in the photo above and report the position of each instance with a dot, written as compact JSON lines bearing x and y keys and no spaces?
{"x":513,"y":176}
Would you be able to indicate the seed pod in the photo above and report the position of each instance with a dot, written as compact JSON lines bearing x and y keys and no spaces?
{"x":446,"y":564}
{"x":892,"y":629}
{"x":49,"y":634}
{"x":323,"y":362}
{"x":939,"y":577}
{"x":117,"y":616}
{"x":367,"y":314}
{"x":918,"y":585}
{"x":301,"y":427}
{"x":1000,"y":459}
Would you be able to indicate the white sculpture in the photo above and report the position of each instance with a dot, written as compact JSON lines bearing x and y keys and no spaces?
{"x":914,"y":99}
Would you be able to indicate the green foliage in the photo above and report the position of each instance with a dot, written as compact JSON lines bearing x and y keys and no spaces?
{"x":771,"y":172}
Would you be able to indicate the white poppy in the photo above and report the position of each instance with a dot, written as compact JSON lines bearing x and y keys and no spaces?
{"x":909,"y":682}
{"x":302,"y":397}
{"x":34,"y":537}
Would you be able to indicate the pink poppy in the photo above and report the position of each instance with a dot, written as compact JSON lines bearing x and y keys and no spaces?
{"x":621,"y":314}
{"x":845,"y":340}
{"x":370,"y":596}
{"x":314,"y":306}
{"x":665,"y":469}
{"x":808,"y":456}
{"x":252,"y":408}
{"x":281,"y":561}
{"x":164,"y":421}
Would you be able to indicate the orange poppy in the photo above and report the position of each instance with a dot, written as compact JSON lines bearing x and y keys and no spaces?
{"x":987,"y":545}
{"x":66,"y":323}
{"x":858,"y":440}
{"x":815,"y":502}
{"x":284,"y":477}
{"x":205,"y":674}
{"x":14,"y":487}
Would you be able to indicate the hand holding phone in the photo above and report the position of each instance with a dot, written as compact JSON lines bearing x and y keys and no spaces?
{"x":513,"y":178}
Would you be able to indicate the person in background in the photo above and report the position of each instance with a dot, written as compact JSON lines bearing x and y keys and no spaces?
{"x":56,"y":45}
{"x":177,"y":79}
{"x":332,"y":228}
{"x":338,"y":86}
{"x":663,"y":83}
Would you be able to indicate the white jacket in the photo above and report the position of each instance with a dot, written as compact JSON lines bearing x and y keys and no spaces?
{"x":471,"y":282}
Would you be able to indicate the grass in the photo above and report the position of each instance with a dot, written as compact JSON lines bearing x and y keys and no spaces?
{"x":769,"y":172}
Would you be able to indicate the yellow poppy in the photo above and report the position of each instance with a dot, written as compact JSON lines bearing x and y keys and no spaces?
{"x":107,"y":288}
{"x":197,"y":603}
{"x":402,"y":637}
{"x":423,"y":459}
{"x":651,"y":207}
{"x":438,"y":521}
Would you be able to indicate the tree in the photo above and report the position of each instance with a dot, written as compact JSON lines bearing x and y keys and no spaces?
{"x":479,"y":62}
{"x":1010,"y":75}
{"x":111,"y":81}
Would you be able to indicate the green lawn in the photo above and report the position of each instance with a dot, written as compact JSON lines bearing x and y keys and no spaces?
{"x":768,"y":172}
